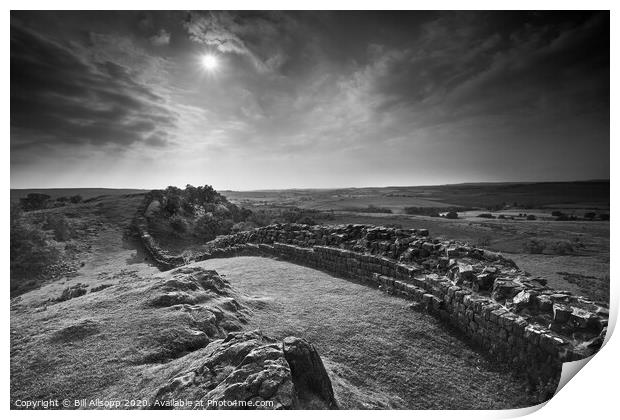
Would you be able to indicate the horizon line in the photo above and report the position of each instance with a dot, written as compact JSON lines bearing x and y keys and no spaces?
{"x":325,"y":188}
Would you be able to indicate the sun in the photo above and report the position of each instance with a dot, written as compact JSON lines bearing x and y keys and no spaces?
{"x":209,"y":62}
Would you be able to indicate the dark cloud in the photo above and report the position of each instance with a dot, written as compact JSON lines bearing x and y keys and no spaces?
{"x":59,"y":98}
{"x":462,"y":66}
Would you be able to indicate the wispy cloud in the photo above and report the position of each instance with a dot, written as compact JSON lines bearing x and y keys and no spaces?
{"x":59,"y":97}
{"x":161,"y":38}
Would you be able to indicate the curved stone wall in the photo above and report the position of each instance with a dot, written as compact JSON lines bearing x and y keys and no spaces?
{"x":516,"y":318}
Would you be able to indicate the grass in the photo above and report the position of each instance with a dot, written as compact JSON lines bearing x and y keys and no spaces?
{"x":378,"y":352}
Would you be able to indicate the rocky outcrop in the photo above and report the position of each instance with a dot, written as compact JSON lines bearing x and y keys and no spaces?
{"x":206,"y":303}
{"x":248,"y":370}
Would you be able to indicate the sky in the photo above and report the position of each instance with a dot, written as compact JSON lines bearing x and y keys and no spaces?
{"x":264,"y":100}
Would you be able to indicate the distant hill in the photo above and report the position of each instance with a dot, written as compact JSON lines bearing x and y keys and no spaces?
{"x":586,"y":194}
{"x":86,"y":193}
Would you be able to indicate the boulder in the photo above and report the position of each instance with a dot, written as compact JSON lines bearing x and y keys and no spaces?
{"x":312,"y":383}
{"x":248,"y":370}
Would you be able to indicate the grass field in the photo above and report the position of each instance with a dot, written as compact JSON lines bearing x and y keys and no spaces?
{"x":564,"y":195}
{"x":377,"y":350}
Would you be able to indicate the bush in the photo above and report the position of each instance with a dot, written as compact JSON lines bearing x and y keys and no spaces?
{"x":259,"y":218}
{"x":34,"y":201}
{"x":31,"y":253}
{"x":60,"y":226}
{"x":243,"y":226}
{"x":369,"y":209}
{"x":206,"y":227}
{"x":486,"y":216}
{"x":557,"y":213}
{"x":178,"y":223}
{"x":452,"y":215}
{"x":535,"y":246}
{"x":75,"y":199}
{"x":434,"y":211}
{"x":496,"y":207}
{"x":563,"y":248}
{"x":225,"y":226}
{"x":172,"y":204}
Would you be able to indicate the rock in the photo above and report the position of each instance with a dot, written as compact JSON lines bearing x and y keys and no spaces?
{"x":263,"y":375}
{"x":309,"y":375}
{"x":545,"y":304}
{"x":523,"y":300}
{"x":72,"y":292}
{"x":248,"y":370}
{"x":190,"y":285}
{"x":582,"y":318}
{"x":465,"y":273}
{"x":505,"y":289}
{"x":174,"y":343}
{"x":561,"y":313}
{"x":77,"y":331}
{"x":484,"y":281}
{"x":173,"y":298}
{"x":490,"y":256}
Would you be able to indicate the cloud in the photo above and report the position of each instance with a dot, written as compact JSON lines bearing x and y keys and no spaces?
{"x":60,"y":97}
{"x":160,"y":39}
{"x":465,"y":69}
{"x":259,"y":37}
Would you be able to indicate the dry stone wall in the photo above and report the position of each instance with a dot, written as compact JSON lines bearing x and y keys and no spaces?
{"x":515,"y":317}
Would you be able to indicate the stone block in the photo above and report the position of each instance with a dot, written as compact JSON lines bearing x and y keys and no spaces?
{"x":561,"y":313}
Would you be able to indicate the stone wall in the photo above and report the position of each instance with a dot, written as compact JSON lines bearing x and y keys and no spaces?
{"x":516,"y":318}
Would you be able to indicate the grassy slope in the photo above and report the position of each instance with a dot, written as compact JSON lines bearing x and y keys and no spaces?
{"x":377,"y":350}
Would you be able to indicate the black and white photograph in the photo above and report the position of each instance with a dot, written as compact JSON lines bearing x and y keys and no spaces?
{"x":306,"y":209}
